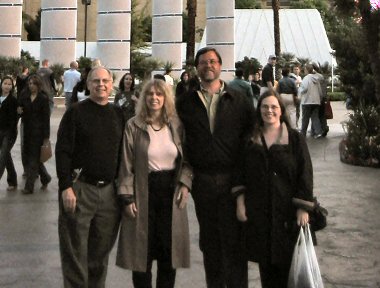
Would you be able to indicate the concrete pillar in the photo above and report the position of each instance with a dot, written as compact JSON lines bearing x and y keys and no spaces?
{"x":221,"y":33}
{"x":114,"y":35}
{"x":167,"y":33}
{"x":58,"y":31}
{"x":10,"y":28}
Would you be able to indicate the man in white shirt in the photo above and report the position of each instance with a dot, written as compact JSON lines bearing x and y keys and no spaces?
{"x":70,"y":78}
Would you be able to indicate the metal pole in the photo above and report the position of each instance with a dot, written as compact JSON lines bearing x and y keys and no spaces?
{"x":332,"y":53}
{"x":85,"y":28}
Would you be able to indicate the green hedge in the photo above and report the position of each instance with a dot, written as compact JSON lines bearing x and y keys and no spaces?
{"x":337,"y":96}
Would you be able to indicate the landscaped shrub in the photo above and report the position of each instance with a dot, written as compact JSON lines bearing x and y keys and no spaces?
{"x":362,"y":144}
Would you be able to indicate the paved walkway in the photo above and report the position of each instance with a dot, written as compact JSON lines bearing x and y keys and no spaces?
{"x":349,"y":248}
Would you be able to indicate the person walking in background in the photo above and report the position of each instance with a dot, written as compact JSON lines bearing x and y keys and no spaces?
{"x":80,"y":90}
{"x":256,"y":84}
{"x":241,"y":86}
{"x":183,"y":86}
{"x":288,"y":93}
{"x":127,"y":96}
{"x":48,"y":82}
{"x":21,"y":84}
{"x":322,"y":114}
{"x":296,"y":76}
{"x":268,"y":74}
{"x":310,"y":93}
{"x":154,"y":184}
{"x":70,"y":78}
{"x":8,"y":130}
{"x":216,"y":120}
{"x":276,"y":167}
{"x":35,"y":114}
{"x":22,"y":80}
{"x":168,"y":78}
{"x":88,"y":146}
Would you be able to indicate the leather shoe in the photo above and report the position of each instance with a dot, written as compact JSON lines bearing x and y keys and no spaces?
{"x":45,"y":185}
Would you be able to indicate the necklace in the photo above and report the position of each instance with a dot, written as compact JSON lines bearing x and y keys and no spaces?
{"x":156,"y":130}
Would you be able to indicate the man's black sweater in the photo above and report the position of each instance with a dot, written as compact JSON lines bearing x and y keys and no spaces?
{"x":89,"y":138}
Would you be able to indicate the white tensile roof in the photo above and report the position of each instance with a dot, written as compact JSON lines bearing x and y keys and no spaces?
{"x":301,"y":30}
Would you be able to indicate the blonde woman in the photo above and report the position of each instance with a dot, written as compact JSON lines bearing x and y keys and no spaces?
{"x":154,"y":182}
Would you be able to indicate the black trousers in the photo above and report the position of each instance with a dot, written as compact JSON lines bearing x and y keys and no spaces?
{"x":161,"y":191}
{"x":220,"y":231}
{"x":274,"y":276}
{"x":6,"y":143}
{"x":31,"y":155}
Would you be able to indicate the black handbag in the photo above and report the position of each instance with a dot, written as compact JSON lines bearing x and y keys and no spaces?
{"x":317,"y":213}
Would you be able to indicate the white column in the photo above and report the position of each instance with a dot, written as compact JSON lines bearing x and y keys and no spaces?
{"x":10,"y":28}
{"x":114,"y":35}
{"x":221,"y":33}
{"x":167,"y":33}
{"x":58,"y":31}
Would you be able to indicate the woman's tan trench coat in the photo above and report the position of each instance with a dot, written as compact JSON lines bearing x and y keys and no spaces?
{"x":133,"y":180}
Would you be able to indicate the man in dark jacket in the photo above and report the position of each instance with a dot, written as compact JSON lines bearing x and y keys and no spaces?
{"x":216,"y":120}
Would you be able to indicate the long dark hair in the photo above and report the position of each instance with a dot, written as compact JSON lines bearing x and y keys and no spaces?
{"x":121,"y":82}
{"x":37,"y":81}
{"x":13,"y":85}
{"x":82,"y":84}
{"x":259,"y":120}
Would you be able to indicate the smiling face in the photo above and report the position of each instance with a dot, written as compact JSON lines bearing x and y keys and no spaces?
{"x":155,"y":100}
{"x":209,"y":67}
{"x":100,"y":85}
{"x":270,"y":111}
{"x":128,"y":82}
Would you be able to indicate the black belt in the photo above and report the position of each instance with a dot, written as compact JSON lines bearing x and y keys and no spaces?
{"x":93,"y":181}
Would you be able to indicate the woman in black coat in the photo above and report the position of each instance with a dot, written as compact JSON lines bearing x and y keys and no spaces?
{"x":8,"y":130}
{"x":35,"y":112}
{"x":276,"y":168}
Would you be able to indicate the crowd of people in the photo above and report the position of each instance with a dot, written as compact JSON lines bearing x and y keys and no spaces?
{"x":126,"y":169}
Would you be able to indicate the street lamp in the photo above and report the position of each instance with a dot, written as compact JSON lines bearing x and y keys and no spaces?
{"x":85,"y":3}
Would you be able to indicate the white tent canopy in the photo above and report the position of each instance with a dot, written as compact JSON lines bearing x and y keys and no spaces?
{"x":301,"y":30}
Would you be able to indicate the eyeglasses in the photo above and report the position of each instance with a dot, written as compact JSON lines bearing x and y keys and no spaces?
{"x":267,"y":107}
{"x":98,"y":81}
{"x":210,"y":61}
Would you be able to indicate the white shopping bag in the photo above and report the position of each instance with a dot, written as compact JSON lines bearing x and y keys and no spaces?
{"x":304,"y":270}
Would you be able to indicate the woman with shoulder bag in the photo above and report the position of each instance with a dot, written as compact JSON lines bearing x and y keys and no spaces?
{"x":35,"y":112}
{"x":276,"y":168}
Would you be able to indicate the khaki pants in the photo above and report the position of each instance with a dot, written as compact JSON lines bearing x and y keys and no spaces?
{"x":87,"y":236}
{"x":288,"y":100}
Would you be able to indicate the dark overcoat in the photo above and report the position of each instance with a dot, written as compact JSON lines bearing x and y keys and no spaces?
{"x":273,"y":177}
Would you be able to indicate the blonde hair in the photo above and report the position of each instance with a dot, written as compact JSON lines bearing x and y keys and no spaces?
{"x":168,"y":109}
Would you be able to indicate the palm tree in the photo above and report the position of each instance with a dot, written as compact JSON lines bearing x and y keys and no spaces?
{"x":276,"y":24}
{"x":190,"y":47}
